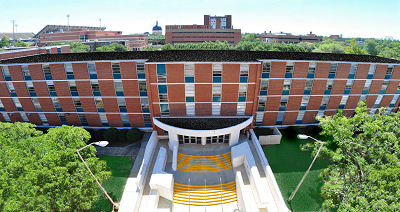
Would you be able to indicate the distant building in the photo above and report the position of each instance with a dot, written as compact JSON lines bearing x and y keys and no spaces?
{"x":22,"y":36}
{"x":29,"y":51}
{"x":289,"y":38}
{"x":157,"y":30}
{"x":214,"y":28}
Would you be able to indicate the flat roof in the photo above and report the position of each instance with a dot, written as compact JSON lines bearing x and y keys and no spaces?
{"x":198,"y":56}
{"x":199,"y":123}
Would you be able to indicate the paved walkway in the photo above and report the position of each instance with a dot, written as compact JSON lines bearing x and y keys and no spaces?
{"x":130,"y":150}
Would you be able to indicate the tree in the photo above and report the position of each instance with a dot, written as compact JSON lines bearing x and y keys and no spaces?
{"x":20,"y":43}
{"x":370,"y":46}
{"x":167,"y":46}
{"x":114,"y":47}
{"x":365,"y":154}
{"x":307,"y":46}
{"x":4,"y":42}
{"x":150,"y":48}
{"x":354,"y":48}
{"x":78,"y":47}
{"x":42,"y":172}
{"x":330,"y":47}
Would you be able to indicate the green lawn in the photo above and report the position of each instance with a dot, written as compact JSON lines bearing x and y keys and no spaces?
{"x":120,"y":168}
{"x":289,"y":164}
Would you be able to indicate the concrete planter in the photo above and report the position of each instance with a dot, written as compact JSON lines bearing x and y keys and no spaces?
{"x":275,"y":138}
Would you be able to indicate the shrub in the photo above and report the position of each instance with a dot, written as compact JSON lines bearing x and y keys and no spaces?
{"x":134,"y":135}
{"x":111,"y":135}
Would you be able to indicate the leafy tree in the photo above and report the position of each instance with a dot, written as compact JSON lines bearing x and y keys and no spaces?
{"x":167,"y":46}
{"x":20,"y":43}
{"x":309,"y":47}
{"x":150,"y":48}
{"x":250,"y":37}
{"x":370,"y":46}
{"x":4,"y":42}
{"x":78,"y":47}
{"x":113,"y":47}
{"x":42,"y":172}
{"x":330,"y":47}
{"x":365,"y":154}
{"x":354,"y":48}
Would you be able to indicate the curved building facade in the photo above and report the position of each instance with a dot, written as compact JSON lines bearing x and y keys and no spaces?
{"x":129,"y":89}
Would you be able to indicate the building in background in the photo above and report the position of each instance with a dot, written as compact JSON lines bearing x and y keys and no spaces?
{"x":27,"y":37}
{"x":29,"y":51}
{"x":288,"y":38}
{"x":157,"y":30}
{"x":215,"y":28}
{"x":127,"y":89}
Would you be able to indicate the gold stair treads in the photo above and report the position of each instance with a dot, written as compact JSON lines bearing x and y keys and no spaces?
{"x":209,"y":163}
{"x":205,"y":195}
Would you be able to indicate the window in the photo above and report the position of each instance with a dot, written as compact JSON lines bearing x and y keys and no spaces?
{"x":103,"y":119}
{"x":242,"y":92}
{"x":329,"y":85}
{"x":217,"y":73}
{"x":332,"y":70}
{"x":125,"y":120}
{"x":384,"y":86}
{"x":349,"y":85}
{"x":279,"y":119}
{"x":119,"y":90}
{"x":189,"y":92}
{"x":11,"y":89}
{"x":371,"y":71}
{"x":43,"y":119}
{"x":6,"y":117}
{"x":394,"y":100}
{"x":17,"y":104}
{"x":147,"y":120}
{"x":56,"y":104}
{"x":367,"y":86}
{"x":142,"y":88}
{"x":98,"y":102}
{"x":377,"y":102}
{"x":31,"y":89}
{"x":286,"y":87}
{"x":83,"y":119}
{"x":144,"y":103}
{"x":77,"y":104}
{"x":140,"y":71}
{"x":95,"y":87}
{"x":216,"y":92}
{"x":25,"y":72}
{"x":308,"y":87}
{"x":92,"y":70}
{"x":2,"y":106}
{"x":353,"y":70}
{"x":321,"y":114}
{"x":300,"y":117}
{"x":283,"y":104}
{"x":304,"y":102}
{"x":266,"y":70}
{"x":389,"y":72}
{"x":289,"y":69}
{"x":241,"y":108}
{"x":161,"y":73}
{"x":163,"y":97}
{"x":6,"y":73}
{"x":259,"y":118}
{"x":36,"y":104}
{"x":311,"y":70}
{"x":164,"y":109}
{"x":121,"y":104}
{"x":51,"y":88}
{"x":343,"y":101}
{"x":324,"y":102}
{"x":162,"y":89}
{"x":216,"y":109}
{"x":362,"y":97}
{"x":189,"y":73}
{"x":72,"y":88}
{"x":24,"y":117}
{"x":264,"y":87}
{"x":46,"y":71}
{"x":116,"y":70}
{"x":69,"y":71}
{"x":190,"y":109}
{"x":261,"y":103}
{"x":244,"y":73}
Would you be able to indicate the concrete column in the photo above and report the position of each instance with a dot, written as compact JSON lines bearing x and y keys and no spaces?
{"x":234,"y":138}
{"x":203,"y":140}
{"x":173,"y":139}
{"x":175,"y":156}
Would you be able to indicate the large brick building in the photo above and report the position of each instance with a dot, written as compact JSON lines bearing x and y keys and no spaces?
{"x":289,"y":38}
{"x":127,"y":89}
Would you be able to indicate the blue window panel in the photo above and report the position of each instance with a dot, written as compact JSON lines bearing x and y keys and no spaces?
{"x":20,"y":109}
{"x":341,"y":106}
{"x":365,"y":92}
{"x":79,"y":109}
{"x":189,"y":79}
{"x":48,"y":77}
{"x":376,"y":106}
{"x":105,"y":124}
{"x":32,"y":93}
{"x":93,"y":76}
{"x":120,"y":93}
{"x":288,"y":75}
{"x":351,"y":76}
{"x":70,"y":76}
{"x":59,"y":109}
{"x":244,"y":79}
{"x":398,"y":92}
{"x":117,"y":76}
{"x":74,"y":93}
{"x":145,"y":110}
{"x":143,"y":93}
{"x":64,"y":123}
{"x":39,"y":110}
{"x":217,"y":79}
{"x":27,"y":77}
{"x":310,"y":75}
{"x":303,"y":107}
{"x":331,"y":76}
{"x":122,"y":110}
{"x":391,"y":105}
{"x":282,"y":108}
{"x":370,"y":76}
{"x":265,"y":75}
{"x":13,"y":94}
{"x":216,"y":99}
{"x":241,"y":99}
{"x":2,"y":109}
{"x":347,"y":91}
{"x":307,"y":92}
{"x":263,"y":92}
{"x":388,"y":76}
{"x":96,"y":93}
{"x":162,"y":89}
{"x":126,"y":124}
{"x":260,"y":108}
{"x":141,"y":76}
{"x":53,"y":93}
{"x":299,"y":121}
{"x":278,"y":123}
{"x":327,"y":92}
{"x":101,"y":110}
{"x":164,"y":108}
{"x":322,"y":107}
{"x":161,"y":69}
{"x":285,"y":92}
{"x":148,"y":125}
{"x":190,"y":99}
{"x":382,"y":92}
{"x":8,"y":78}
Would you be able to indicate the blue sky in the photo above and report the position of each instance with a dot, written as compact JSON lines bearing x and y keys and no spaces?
{"x":352,"y":18}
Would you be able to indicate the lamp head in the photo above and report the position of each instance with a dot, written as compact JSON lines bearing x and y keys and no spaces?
{"x":302,"y":136}
{"x":101,"y":143}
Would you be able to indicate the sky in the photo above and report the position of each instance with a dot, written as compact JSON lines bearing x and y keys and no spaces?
{"x":351,"y":18}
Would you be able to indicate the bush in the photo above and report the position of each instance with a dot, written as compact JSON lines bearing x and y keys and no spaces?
{"x":291,"y":132}
{"x":134,"y":135}
{"x":111,"y":135}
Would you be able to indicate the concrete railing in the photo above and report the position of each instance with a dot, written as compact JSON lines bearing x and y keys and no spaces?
{"x":275,"y":138}
{"x":148,"y":155}
{"x":175,"y":156}
{"x":245,"y":198}
{"x":161,"y":181}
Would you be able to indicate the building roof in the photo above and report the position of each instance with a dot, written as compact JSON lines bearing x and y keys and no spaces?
{"x":57,"y":28}
{"x":18,"y":36}
{"x":199,"y":56}
{"x":156,"y":27}
{"x":207,"y":123}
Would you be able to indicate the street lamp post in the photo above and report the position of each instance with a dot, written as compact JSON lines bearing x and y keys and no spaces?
{"x":301,"y":136}
{"x":102,"y":144}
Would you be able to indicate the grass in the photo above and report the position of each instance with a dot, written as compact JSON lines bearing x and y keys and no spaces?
{"x":120,"y":168}
{"x":289,"y":164}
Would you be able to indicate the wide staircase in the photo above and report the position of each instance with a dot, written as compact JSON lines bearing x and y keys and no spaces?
{"x":207,"y":195}
{"x":211,"y":163}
